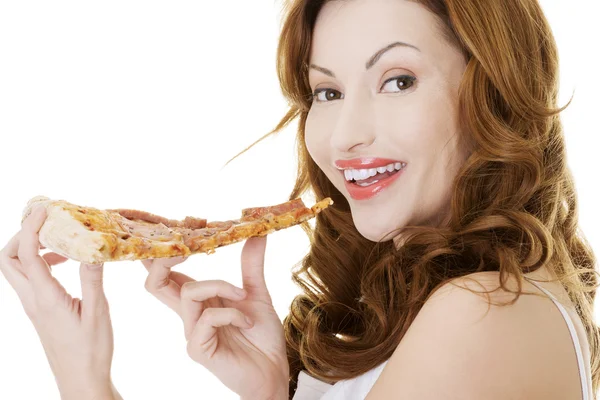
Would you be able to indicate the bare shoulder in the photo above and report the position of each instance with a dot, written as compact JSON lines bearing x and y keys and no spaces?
{"x":461,"y":347}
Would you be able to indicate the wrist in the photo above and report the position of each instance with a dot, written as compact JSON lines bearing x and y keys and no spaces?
{"x":281,"y":394}
{"x":97,"y":391}
{"x":107,"y":394}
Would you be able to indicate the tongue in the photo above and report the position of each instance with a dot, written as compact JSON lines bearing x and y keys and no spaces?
{"x":377,"y":177}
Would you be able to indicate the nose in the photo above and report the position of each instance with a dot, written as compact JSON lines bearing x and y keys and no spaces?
{"x":355,"y":127}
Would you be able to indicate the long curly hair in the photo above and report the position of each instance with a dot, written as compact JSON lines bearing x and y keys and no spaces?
{"x":514,"y":207}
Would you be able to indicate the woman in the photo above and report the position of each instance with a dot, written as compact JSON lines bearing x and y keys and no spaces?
{"x":434,"y":127}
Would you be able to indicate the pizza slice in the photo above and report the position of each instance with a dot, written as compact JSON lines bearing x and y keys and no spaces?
{"x":93,"y":236}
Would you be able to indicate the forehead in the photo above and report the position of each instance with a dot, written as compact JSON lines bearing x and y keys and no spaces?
{"x":358,"y":27}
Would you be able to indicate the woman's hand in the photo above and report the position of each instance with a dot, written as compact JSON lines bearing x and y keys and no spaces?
{"x":76,"y":334}
{"x":236,"y":334}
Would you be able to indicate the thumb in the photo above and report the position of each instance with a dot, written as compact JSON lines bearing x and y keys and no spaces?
{"x":94,"y":301}
{"x":253,"y":268}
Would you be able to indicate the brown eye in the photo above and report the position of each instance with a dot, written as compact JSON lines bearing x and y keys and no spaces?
{"x":399,"y":83}
{"x":325,"y":95}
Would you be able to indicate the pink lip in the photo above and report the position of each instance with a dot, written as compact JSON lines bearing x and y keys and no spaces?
{"x":364,"y":163}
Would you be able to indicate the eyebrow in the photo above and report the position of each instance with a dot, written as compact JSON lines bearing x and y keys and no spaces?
{"x":374,"y":58}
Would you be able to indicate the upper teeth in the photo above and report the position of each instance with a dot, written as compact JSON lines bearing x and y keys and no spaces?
{"x":361,"y":174}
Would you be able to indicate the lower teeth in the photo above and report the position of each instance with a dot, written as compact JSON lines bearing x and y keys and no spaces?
{"x":363,"y":184}
{"x":366,"y":184}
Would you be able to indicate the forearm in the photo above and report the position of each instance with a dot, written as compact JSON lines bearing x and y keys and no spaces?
{"x":116,"y":394}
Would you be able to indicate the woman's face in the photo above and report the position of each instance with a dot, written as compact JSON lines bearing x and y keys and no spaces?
{"x":386,"y":87}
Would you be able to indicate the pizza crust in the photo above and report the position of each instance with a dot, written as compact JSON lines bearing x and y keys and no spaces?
{"x":63,"y":234}
{"x":94,"y":236}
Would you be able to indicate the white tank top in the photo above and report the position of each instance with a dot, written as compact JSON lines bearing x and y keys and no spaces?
{"x":357,"y":388}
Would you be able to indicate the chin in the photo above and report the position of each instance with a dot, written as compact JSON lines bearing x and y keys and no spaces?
{"x":376,"y":231}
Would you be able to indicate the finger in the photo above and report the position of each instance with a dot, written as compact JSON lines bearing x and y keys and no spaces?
{"x":204,"y":290}
{"x":12,"y":247}
{"x":163,"y":288}
{"x":9,"y":262}
{"x":54,"y":258}
{"x":35,"y":267}
{"x":253,"y":267}
{"x":180,"y":278}
{"x":165,"y":284}
{"x":11,"y":270}
{"x":94,"y":303}
{"x":193,"y":295}
{"x":175,"y":276}
{"x":165,"y":261}
{"x":213,"y":318}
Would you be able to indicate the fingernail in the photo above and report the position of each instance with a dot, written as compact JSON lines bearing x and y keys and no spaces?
{"x":240,"y":292}
{"x":94,"y":266}
{"x":249,"y":321}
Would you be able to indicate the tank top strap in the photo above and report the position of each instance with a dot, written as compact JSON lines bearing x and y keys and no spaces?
{"x":574,"y":338}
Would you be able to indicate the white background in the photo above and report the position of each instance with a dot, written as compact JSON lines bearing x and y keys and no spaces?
{"x":131,"y":104}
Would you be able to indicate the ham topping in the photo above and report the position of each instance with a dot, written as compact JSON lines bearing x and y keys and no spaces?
{"x":251,"y":214}
{"x":188,"y":222}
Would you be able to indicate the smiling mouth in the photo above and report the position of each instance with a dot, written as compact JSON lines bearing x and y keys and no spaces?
{"x":373,"y":179}
{"x":370,"y":176}
{"x":370,"y":183}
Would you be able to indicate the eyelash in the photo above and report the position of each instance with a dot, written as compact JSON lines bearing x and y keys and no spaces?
{"x":315,"y":94}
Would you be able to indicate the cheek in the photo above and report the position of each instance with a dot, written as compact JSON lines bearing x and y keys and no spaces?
{"x":310,"y":136}
{"x":428,"y":128}
{"x":416,"y":122}
{"x":315,"y":137}
{"x":414,"y":132}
